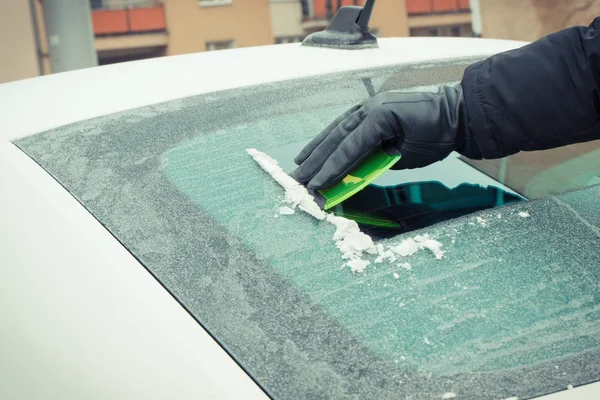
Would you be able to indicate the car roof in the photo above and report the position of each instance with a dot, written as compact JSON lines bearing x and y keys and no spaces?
{"x":64,"y":98}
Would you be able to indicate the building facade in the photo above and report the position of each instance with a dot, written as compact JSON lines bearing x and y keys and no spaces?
{"x":531,"y":19}
{"x":18,"y":47}
{"x":126,"y":30}
{"x":439,"y":17}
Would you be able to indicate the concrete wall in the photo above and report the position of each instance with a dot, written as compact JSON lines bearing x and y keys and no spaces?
{"x":190,"y":26}
{"x":17,"y":41}
{"x":531,"y":19}
{"x":389,"y":16}
{"x":286,"y":18}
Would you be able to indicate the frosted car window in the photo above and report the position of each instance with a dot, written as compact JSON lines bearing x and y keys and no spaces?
{"x":511,"y":310}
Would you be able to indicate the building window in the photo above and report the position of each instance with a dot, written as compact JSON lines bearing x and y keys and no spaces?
{"x":220,"y":45}
{"x":288,"y":39}
{"x":450,"y":30}
{"x":433,"y":32}
{"x":305,"y":9}
{"x":121,"y":4}
{"x":212,"y":3}
{"x":96,"y":4}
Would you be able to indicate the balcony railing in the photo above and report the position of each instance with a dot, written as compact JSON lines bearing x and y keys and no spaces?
{"x":122,"y":4}
{"x":133,"y":19}
{"x":416,"y":7}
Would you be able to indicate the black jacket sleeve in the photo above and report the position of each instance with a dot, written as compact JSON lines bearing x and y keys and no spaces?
{"x":540,"y":96}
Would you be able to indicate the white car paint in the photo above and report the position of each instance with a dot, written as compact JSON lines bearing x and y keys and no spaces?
{"x":63,"y":98}
{"x":81,"y":317}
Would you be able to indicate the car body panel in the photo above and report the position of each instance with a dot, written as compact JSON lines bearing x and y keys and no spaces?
{"x":84,"y":319}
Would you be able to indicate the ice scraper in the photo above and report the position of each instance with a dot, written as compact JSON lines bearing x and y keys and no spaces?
{"x":371,"y":168}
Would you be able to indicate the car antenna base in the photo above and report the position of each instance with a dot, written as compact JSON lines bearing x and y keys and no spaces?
{"x":348,"y":29}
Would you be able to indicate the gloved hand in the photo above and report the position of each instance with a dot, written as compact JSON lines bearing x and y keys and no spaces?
{"x":422,"y":127}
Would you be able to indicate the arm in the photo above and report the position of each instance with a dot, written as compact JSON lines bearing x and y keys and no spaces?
{"x":540,"y":96}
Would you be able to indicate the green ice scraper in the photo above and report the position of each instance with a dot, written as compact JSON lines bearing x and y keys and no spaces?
{"x":366,"y":172}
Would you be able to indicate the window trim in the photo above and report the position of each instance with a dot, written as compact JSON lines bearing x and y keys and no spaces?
{"x":214,"y":3}
{"x":211,"y":45}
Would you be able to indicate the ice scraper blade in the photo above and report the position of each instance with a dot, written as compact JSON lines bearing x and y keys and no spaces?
{"x":371,"y":168}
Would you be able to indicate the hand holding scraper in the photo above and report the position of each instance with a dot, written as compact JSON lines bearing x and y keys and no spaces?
{"x":389,"y":130}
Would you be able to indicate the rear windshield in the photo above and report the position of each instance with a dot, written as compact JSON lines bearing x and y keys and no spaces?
{"x":512,"y":308}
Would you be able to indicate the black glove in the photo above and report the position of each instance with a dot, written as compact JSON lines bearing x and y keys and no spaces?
{"x":422,"y":127}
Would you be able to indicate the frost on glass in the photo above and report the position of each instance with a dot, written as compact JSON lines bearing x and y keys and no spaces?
{"x":511,"y":309}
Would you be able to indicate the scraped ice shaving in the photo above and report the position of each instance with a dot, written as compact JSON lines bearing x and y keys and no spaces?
{"x":348,"y":236}
{"x":410,"y":246}
{"x":449,"y":395}
{"x":433,"y":245}
{"x":358,"y":265}
{"x":406,"y":248}
{"x":524,"y":214}
{"x":350,"y":240}
{"x":285,"y":210}
{"x":406,"y":266}
{"x":385,"y":254}
{"x":481,"y":221}
{"x":295,"y":193}
{"x":512,"y":398}
{"x":396,"y":275}
{"x":569,"y":387}
{"x":426,"y":340}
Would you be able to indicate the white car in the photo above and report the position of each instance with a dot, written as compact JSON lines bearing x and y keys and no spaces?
{"x":143,"y":254}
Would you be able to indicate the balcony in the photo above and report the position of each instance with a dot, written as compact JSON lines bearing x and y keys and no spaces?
{"x":439,"y":17}
{"x":129,"y":20}
{"x":129,"y":29}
